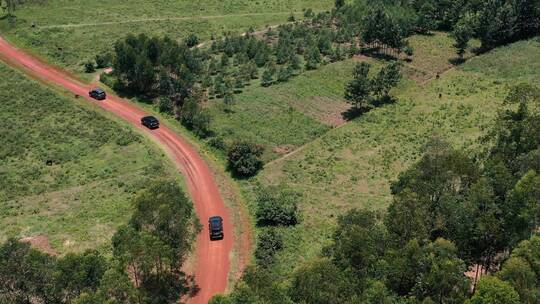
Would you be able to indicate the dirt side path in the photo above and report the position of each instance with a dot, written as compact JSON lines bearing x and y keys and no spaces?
{"x":212,"y":258}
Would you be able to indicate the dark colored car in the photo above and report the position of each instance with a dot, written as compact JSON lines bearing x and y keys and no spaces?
{"x":98,"y":94}
{"x":150,"y":122}
{"x":215,"y":226}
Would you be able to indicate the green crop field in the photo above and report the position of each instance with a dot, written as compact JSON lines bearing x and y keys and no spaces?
{"x":67,"y":172}
{"x":69,"y":33}
{"x":352,"y":166}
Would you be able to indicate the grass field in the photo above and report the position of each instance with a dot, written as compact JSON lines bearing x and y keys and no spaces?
{"x":284,"y":117}
{"x":68,"y":33}
{"x":66,"y":171}
{"x":352,"y":166}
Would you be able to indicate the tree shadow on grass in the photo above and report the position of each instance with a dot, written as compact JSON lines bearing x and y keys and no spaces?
{"x":457,"y":61}
{"x":376,"y":53}
{"x":355,"y":112}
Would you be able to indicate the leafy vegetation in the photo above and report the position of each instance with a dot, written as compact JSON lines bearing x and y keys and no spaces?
{"x":146,"y":266}
{"x":448,"y":211}
{"x":70,"y":34}
{"x":244,"y":159}
{"x":67,"y":172}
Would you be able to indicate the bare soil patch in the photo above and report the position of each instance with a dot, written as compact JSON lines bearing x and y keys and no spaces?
{"x":41,"y":243}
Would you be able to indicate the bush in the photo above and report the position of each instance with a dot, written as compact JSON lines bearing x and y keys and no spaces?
{"x":277,"y":207}
{"x":194,"y":118}
{"x":165,"y":105}
{"x":191,"y":40}
{"x":217,"y":143}
{"x":244,"y":159}
{"x":89,"y":67}
{"x":270,"y":242}
{"x":201,"y":124}
{"x":103,"y":60}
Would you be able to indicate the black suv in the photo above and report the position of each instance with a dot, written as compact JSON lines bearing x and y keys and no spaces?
{"x":98,"y":94}
{"x":150,"y":122}
{"x":215,"y":226}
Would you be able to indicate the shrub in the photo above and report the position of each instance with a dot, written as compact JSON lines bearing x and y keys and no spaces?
{"x":191,"y":40}
{"x":201,"y":124}
{"x":277,"y":207}
{"x":165,"y":105}
{"x":217,"y":143}
{"x":244,"y":159}
{"x":103,"y":60}
{"x":89,"y":67}
{"x":270,"y":242}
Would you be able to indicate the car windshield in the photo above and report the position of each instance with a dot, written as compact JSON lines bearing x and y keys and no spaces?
{"x":215,"y":223}
{"x":99,"y":91}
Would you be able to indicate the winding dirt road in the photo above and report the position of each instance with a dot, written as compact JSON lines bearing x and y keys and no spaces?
{"x":212,"y":257}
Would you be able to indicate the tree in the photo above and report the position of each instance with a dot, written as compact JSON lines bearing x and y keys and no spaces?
{"x":78,"y":273}
{"x":26,"y":274}
{"x":313,"y":58}
{"x":270,"y":242}
{"x":378,"y":293}
{"x":229,"y":99}
{"x":277,"y":207}
{"x":321,"y":282}
{"x":153,"y":246}
{"x":339,"y":3}
{"x":435,"y":185}
{"x":191,"y":40}
{"x":442,"y":276}
{"x":89,"y":67}
{"x":408,"y":218}
{"x":259,"y":286}
{"x":103,"y":60}
{"x":529,"y":250}
{"x":244,"y":159}
{"x":8,"y":6}
{"x":522,"y":208}
{"x":267,"y":78}
{"x":462,"y":34}
{"x":519,"y":274}
{"x":527,"y":18}
{"x":404,"y":264}
{"x":284,"y":74}
{"x":492,"y":290}
{"x":387,"y":78}
{"x":358,"y":242}
{"x":117,"y":286}
{"x":357,"y":91}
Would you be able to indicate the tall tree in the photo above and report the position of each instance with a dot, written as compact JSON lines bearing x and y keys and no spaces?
{"x":492,"y":290}
{"x":358,"y":90}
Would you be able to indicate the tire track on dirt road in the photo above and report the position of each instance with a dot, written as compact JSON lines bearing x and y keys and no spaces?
{"x":212,"y":258}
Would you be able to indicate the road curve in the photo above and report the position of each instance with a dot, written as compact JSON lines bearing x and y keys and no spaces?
{"x":212,"y":257}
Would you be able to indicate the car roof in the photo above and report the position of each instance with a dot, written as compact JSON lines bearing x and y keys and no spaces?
{"x":215,"y":219}
{"x":98,"y":90}
{"x":149,"y":118}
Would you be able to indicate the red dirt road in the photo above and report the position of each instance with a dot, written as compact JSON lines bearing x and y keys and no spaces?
{"x":212,"y":257}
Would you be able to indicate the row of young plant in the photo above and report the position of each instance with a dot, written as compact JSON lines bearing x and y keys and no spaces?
{"x":451,"y":212}
{"x":145,"y":267}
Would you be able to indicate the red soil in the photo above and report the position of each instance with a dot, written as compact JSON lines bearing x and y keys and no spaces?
{"x":212,"y":257}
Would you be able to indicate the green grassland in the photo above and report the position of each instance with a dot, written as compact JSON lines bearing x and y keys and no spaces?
{"x":68,"y":33}
{"x":97,"y":165}
{"x":286,"y":116}
{"x":352,"y":166}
